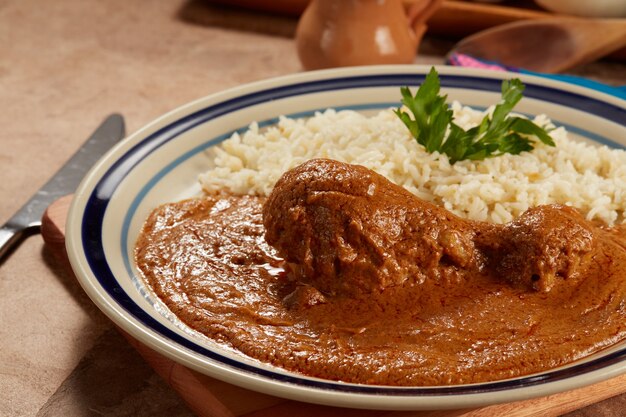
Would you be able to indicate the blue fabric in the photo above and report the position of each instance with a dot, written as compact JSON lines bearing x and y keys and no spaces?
{"x":585,"y":82}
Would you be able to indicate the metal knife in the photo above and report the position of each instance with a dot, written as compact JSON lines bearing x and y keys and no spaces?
{"x":27,"y":220}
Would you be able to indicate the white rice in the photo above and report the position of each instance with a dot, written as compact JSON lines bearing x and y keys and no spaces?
{"x":585,"y":176}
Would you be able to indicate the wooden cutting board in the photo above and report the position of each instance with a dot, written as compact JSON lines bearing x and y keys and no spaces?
{"x":209,"y":397}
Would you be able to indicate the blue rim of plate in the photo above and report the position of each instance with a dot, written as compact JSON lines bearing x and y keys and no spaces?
{"x":97,"y":202}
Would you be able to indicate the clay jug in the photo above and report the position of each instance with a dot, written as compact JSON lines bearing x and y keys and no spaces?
{"x":337,"y":33}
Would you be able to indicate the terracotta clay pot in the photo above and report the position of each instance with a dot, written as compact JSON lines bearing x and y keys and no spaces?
{"x":341,"y":33}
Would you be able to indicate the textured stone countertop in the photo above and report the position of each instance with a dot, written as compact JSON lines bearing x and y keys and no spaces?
{"x":64,"y":66}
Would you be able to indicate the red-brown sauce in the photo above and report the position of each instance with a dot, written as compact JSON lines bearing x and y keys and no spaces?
{"x":208,"y":261}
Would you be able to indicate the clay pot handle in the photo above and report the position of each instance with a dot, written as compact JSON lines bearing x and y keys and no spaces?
{"x":418,"y":14}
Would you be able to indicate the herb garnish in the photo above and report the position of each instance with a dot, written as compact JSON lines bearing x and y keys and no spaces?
{"x":432,"y":119}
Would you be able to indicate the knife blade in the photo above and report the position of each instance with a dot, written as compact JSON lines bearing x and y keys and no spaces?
{"x":27,"y":220}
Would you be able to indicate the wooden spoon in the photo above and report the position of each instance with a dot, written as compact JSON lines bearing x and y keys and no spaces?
{"x":546,"y":45}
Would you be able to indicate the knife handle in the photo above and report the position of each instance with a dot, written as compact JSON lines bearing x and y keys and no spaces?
{"x":11,"y":236}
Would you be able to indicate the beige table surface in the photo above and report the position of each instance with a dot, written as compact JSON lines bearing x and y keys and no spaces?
{"x":65,"y":65}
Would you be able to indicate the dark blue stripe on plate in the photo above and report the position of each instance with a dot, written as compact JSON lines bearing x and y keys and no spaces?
{"x":93,"y":217}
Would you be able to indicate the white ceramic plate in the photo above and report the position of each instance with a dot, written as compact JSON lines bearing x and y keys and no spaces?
{"x":160,"y":164}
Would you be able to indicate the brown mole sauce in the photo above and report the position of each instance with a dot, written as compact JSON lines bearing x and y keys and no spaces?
{"x":208,"y":262}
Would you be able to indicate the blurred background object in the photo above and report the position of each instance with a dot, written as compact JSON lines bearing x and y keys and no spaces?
{"x":548,"y":45}
{"x":361,"y":32}
{"x":586,"y":8}
{"x":445,"y":21}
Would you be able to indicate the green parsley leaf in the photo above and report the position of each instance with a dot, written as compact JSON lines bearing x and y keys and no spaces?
{"x":431,"y":122}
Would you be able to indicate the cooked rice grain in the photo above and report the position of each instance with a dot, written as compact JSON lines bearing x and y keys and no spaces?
{"x":498,"y":189}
